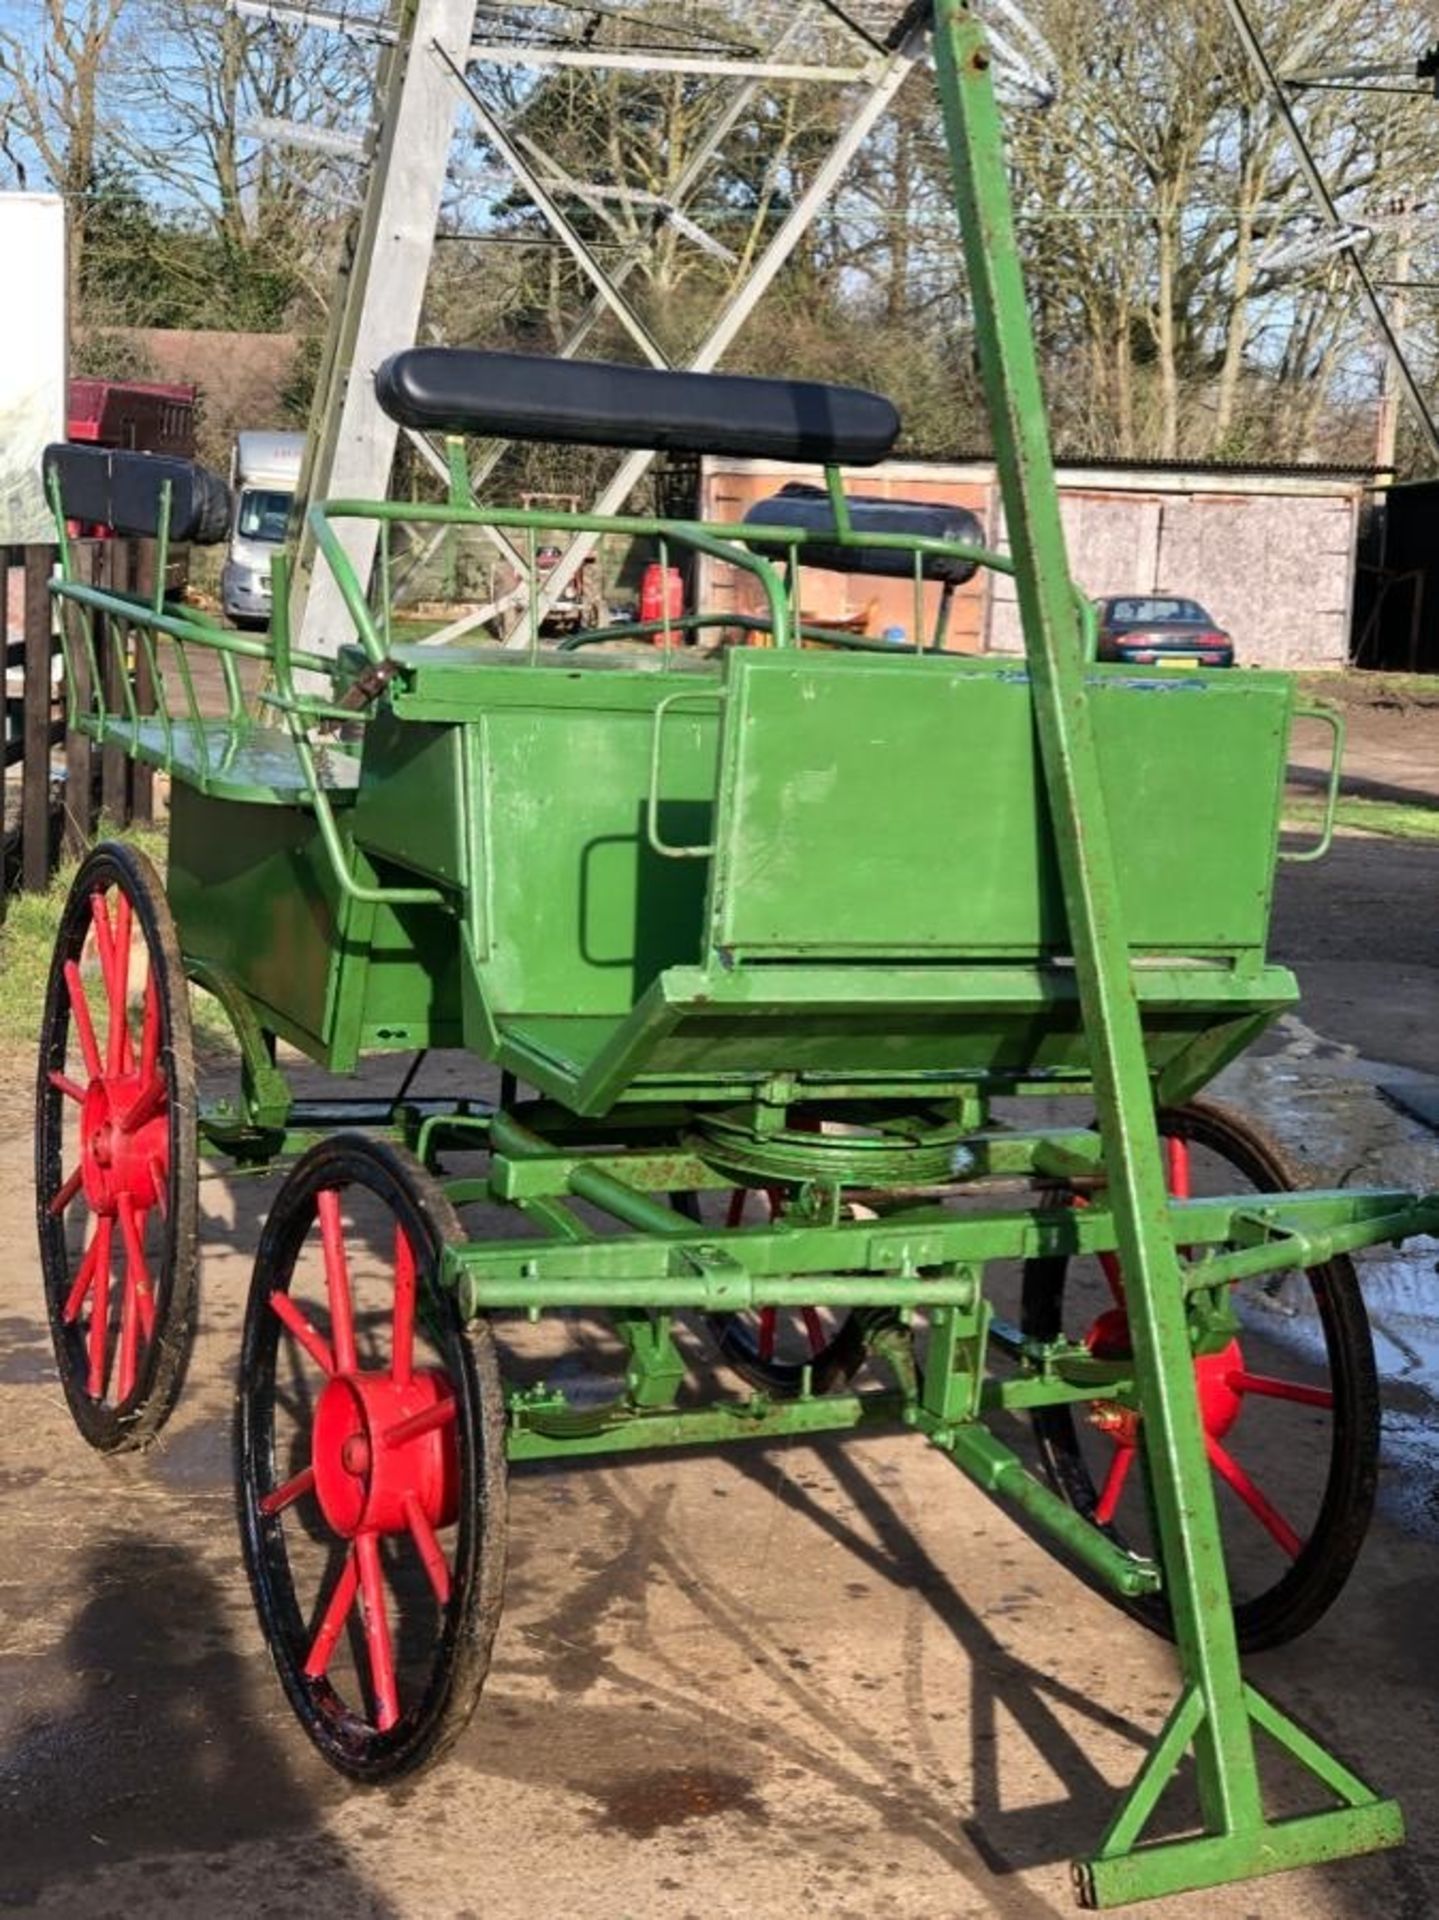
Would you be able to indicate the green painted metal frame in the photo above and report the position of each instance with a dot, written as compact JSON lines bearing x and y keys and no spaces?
{"x":917,"y":1256}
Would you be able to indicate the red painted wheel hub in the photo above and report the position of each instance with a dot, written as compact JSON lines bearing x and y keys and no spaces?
{"x":118,"y":1158}
{"x":1219,"y":1400}
{"x":368,"y":1468}
{"x":1215,"y":1374}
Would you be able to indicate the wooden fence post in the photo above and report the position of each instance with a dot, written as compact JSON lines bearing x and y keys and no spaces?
{"x":39,"y":711}
{"x":6,"y":557}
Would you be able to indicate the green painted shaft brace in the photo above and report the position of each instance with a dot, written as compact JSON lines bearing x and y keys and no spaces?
{"x":1219,"y":1728}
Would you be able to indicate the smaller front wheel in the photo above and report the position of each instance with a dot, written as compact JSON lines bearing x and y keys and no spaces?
{"x":370,"y":1444}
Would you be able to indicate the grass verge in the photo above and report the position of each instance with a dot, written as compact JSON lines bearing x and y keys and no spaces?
{"x":1363,"y":687}
{"x":1388,"y":817}
{"x":27,"y":940}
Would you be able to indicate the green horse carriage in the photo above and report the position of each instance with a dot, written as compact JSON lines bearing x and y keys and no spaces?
{"x":777,"y":943}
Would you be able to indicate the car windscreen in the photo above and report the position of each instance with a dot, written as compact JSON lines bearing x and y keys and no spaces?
{"x":263,"y":515}
{"x":1156,"y":613}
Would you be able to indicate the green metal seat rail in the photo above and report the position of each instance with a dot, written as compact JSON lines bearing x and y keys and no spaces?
{"x":299,"y":713}
{"x":128,"y":726}
{"x":720,"y":541}
{"x":692,"y":534}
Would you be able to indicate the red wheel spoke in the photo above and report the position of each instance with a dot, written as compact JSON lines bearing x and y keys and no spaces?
{"x":100,"y":1311}
{"x":134,"y":1286}
{"x":120,"y":1048}
{"x":332,"y":1623}
{"x":315,"y":1344}
{"x":150,"y":1032}
{"x":1263,"y":1509}
{"x":84,"y":1025}
{"x":1271,"y":1388}
{"x":146,"y":1104}
{"x":80,"y":1286}
{"x":734,"y":1213}
{"x":285,"y":1496}
{"x":1109,"y":1266}
{"x":430,"y":1550}
{"x":67,"y":1192}
{"x":1107,"y":1504}
{"x":129,"y":1339}
{"x":1176,"y":1158}
{"x":814,"y":1327}
{"x":68,"y":1087}
{"x":404,"y":1320}
{"x":426,"y":1421}
{"x":160,"y":1180}
{"x":137,"y":1274}
{"x":104,"y":938}
{"x":337,"y":1280}
{"x":768,"y":1320}
{"x":377,"y":1632}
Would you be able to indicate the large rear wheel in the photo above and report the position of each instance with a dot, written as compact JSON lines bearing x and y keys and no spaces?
{"x":1290,"y":1403}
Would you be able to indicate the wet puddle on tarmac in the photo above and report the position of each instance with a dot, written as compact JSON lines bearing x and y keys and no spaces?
{"x":640,"y":1804}
{"x":1324,"y":1104}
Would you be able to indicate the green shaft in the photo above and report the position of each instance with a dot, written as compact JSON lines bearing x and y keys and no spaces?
{"x":992,"y":1467}
{"x":1184,"y":1498}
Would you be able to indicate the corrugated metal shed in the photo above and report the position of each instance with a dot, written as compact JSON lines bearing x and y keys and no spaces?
{"x":1270,"y":551}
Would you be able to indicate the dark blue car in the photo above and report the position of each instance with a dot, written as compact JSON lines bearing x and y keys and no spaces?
{"x":1161,"y":629}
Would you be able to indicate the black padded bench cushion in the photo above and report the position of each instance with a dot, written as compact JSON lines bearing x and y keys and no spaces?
{"x":106,"y":488}
{"x":593,"y":403}
{"x":809,"y":508}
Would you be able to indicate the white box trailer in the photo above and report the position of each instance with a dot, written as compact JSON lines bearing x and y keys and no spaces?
{"x":264,"y":473}
{"x":32,"y":361}
{"x":32,"y":414}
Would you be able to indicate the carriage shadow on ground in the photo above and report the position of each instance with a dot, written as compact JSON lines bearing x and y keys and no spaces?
{"x":151,"y":1779}
{"x":1010,"y":1698}
{"x":779,"y":1732}
{"x":1375,"y":1639}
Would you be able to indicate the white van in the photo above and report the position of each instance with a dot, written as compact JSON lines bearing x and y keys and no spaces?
{"x":264,"y":473}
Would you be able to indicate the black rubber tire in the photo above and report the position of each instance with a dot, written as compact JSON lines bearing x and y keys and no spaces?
{"x":173,"y":1252}
{"x":1312,"y":1581}
{"x":455,"y":1656}
{"x":833,"y":1366}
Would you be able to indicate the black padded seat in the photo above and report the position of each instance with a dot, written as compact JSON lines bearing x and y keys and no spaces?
{"x":106,"y":488}
{"x":808,"y":508}
{"x":594,"y":403}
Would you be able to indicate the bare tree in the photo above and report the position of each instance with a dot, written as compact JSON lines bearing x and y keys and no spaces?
{"x":56,"y":66}
{"x":201,"y":120}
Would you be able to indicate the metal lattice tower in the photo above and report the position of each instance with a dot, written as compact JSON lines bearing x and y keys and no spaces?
{"x":1331,"y":230}
{"x":488,"y":76}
